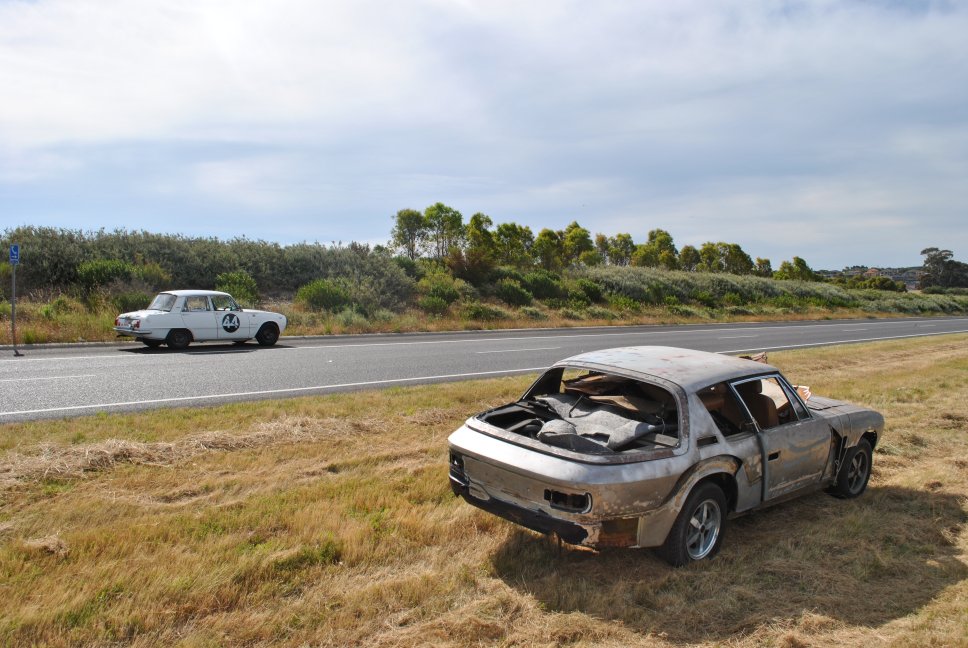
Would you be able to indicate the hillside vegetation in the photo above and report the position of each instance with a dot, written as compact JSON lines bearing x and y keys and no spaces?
{"x":329,"y":521}
{"x":72,"y":284}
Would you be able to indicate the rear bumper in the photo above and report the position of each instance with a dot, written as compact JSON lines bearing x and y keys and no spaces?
{"x":125,"y":330}
{"x":535,"y":520}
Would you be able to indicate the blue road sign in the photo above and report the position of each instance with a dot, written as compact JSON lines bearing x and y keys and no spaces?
{"x":15,"y":254}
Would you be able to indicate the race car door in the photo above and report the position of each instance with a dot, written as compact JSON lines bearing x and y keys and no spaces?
{"x":199,"y":318}
{"x":233,"y":324}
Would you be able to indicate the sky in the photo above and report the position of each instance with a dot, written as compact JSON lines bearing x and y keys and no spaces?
{"x":835,"y":131}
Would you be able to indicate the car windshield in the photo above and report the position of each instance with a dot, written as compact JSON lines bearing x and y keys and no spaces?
{"x":162,"y":302}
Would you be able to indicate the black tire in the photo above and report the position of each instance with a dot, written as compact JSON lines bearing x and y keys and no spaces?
{"x":268,"y":334}
{"x":178,"y":339}
{"x":152,"y":344}
{"x":698,"y":531}
{"x":855,"y":472}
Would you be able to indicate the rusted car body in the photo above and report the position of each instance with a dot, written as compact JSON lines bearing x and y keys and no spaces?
{"x":656,"y":447}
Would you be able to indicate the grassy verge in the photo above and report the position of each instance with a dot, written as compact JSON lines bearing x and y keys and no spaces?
{"x":328,"y":521}
{"x":68,"y":320}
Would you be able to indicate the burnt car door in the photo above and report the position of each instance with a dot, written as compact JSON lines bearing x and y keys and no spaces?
{"x":795,"y":444}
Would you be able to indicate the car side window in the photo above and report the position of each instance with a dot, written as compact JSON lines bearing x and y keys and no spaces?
{"x":196,"y":303}
{"x":224,"y":303}
{"x":727,"y":412}
{"x":767,"y":401}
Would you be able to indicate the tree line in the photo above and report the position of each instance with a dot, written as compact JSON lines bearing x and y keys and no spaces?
{"x":470,"y":250}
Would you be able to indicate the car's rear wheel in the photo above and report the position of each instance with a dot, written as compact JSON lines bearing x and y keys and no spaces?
{"x":152,"y":344}
{"x":698,"y":531}
{"x":178,"y":339}
{"x":855,"y":472}
{"x":268,"y":334}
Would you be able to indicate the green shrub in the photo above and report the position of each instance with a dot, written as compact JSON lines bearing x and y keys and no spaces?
{"x":60,"y":305}
{"x":349,"y":319}
{"x":30,"y":336}
{"x":533,"y":313}
{"x":433,"y":305}
{"x":130,"y":301}
{"x":152,"y":274}
{"x":591,"y":289}
{"x":507,"y":272}
{"x":92,"y":275}
{"x":409,"y":266}
{"x":556,"y":303}
{"x":440,"y":285}
{"x":482,"y":312}
{"x":240,"y":285}
{"x":543,"y":284}
{"x":703,"y":297}
{"x":578,"y":299}
{"x":785,"y":301}
{"x":568,"y":313}
{"x":510,"y":292}
{"x":323,"y":295}
{"x":597,"y":312}
{"x":623,"y":303}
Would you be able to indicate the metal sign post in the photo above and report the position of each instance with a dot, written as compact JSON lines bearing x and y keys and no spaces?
{"x":14,"y":262}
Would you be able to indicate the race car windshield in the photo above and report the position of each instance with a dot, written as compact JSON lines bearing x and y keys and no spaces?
{"x":162,"y":302}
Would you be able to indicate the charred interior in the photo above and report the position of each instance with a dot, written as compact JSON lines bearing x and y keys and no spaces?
{"x":592,"y":413}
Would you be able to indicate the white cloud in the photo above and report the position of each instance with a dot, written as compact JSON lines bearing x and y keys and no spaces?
{"x":623,"y":115}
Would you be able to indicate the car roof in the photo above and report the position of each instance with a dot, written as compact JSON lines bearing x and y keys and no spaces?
{"x":688,"y":368}
{"x":183,"y":293}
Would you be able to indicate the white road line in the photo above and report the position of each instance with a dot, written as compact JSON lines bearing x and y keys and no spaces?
{"x":292,"y":390}
{"x":851,"y":330}
{"x":519,"y":350}
{"x":733,"y":337}
{"x":47,"y":378}
{"x":810,"y":344}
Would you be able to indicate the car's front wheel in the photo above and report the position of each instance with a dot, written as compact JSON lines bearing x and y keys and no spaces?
{"x":855,"y":472}
{"x":178,"y":339}
{"x":698,"y":531}
{"x":268,"y":334}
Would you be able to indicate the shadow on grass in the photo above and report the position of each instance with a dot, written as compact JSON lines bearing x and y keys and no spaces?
{"x":863,"y":562}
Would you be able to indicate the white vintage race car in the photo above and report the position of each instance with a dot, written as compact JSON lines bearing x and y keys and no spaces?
{"x":179,"y":317}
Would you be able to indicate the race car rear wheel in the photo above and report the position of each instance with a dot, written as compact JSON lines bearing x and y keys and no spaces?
{"x":179,"y":339}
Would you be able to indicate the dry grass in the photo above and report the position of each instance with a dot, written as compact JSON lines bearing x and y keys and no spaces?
{"x":328,"y":521}
{"x":37,"y":325}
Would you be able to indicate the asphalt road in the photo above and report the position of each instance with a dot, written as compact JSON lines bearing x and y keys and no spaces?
{"x":72,"y":381}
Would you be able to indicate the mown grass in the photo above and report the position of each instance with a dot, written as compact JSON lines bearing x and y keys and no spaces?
{"x":329,"y":521}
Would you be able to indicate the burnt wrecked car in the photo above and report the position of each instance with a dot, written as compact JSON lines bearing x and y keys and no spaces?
{"x":656,"y":447}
